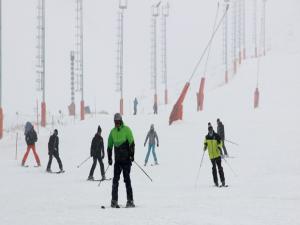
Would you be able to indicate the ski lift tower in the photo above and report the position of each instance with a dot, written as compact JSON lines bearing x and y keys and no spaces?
{"x":41,"y":58}
{"x":79,"y":54}
{"x":155,"y":13}
{"x":263,"y":33}
{"x":1,"y":109}
{"x":165,"y":14}
{"x":255,"y":27}
{"x":120,"y":55}
{"x":225,"y":40}
{"x":72,"y":105}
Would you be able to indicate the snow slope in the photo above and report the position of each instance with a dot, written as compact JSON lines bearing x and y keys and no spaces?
{"x":265,"y":190}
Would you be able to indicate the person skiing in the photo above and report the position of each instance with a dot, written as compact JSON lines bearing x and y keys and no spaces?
{"x":155,"y":108}
{"x":122,"y":140}
{"x":221,"y":133}
{"x":135,"y":103}
{"x":53,"y":151}
{"x":31,"y":138}
{"x":97,"y":152}
{"x":153,"y":138}
{"x":213,"y":143}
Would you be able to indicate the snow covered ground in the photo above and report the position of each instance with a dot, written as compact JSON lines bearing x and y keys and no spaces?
{"x":265,"y":190}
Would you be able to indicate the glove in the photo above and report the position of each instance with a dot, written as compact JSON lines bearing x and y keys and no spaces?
{"x":131,"y":158}
{"x":145,"y":145}
{"x":157,"y":145}
{"x":110,"y":161}
{"x":102,"y":157}
{"x":204,"y":149}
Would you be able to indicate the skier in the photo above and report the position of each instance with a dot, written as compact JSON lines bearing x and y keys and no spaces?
{"x":152,"y":136}
{"x":31,"y":138}
{"x":53,"y":151}
{"x":213,"y":143}
{"x":221,"y":133}
{"x":135,"y":103}
{"x":155,"y":108}
{"x":122,"y":140}
{"x":97,"y":152}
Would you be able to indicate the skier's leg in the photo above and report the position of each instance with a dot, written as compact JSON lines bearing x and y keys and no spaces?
{"x":49,"y":163}
{"x":101,"y":167}
{"x":37,"y":159}
{"x":56,"y":155}
{"x":93,"y":167}
{"x":126,"y":175}
{"x":214,"y":171}
{"x":26,"y":155}
{"x":220,"y":169}
{"x":154,"y":154}
{"x":148,"y":153}
{"x":115,"y":185}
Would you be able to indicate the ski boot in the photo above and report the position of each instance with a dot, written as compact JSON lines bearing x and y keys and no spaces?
{"x":114,"y":204}
{"x":90,"y":178}
{"x":216,"y":184}
{"x":130,"y":204}
{"x":48,"y":170}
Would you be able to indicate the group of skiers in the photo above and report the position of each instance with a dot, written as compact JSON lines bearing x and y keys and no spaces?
{"x":122,"y":141}
{"x":135,"y":104}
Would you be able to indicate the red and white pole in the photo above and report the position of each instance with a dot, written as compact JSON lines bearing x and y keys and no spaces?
{"x":1,"y":122}
{"x":82,"y":113}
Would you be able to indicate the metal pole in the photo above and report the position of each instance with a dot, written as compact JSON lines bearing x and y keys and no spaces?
{"x":1,"y":109}
{"x":255,"y":27}
{"x":165,"y":14}
{"x":143,"y":171}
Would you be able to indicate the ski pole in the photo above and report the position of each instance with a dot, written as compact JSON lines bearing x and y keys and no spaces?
{"x":104,"y":174}
{"x":143,"y":171}
{"x":230,"y":167}
{"x":232,"y":142}
{"x":199,"y":169}
{"x":83,"y":162}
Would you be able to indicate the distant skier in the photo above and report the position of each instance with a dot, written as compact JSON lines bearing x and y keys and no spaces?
{"x":122,"y":140}
{"x":97,"y":152}
{"x":213,"y":143}
{"x":153,"y":138}
{"x":31,"y":139}
{"x":53,"y":151}
{"x":155,"y":108}
{"x":135,"y":103}
{"x":221,"y":133}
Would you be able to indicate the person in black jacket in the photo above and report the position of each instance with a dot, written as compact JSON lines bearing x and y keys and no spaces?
{"x":53,"y":151}
{"x":221,"y":133}
{"x":97,"y":152}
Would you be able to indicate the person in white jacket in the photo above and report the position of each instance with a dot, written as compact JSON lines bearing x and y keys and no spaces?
{"x":153,"y":140}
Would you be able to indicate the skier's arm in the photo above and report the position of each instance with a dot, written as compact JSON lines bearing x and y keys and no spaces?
{"x":110,"y":145}
{"x":102,"y":149}
{"x":157,"y":139}
{"x":57,"y":144}
{"x":205,"y":144}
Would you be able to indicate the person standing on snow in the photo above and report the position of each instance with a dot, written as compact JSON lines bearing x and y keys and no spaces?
{"x":221,"y":133}
{"x":122,"y":140}
{"x":155,"y":107}
{"x":53,"y":151}
{"x":153,"y":138}
{"x":213,"y":143}
{"x":97,"y":152}
{"x":31,"y":139}
{"x":135,"y":103}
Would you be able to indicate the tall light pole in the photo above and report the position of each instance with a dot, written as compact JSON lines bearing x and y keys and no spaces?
{"x":225,"y":40}
{"x":165,"y":14}
{"x":120,"y":55}
{"x":155,"y":13}
{"x":72,"y":105}
{"x":1,"y":109}
{"x":234,"y":36}
{"x":79,"y":54}
{"x":263,"y":32}
{"x":244,"y":27}
{"x":41,"y":58}
{"x":255,"y":27}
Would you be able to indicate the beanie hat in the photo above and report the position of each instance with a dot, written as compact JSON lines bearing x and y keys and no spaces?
{"x":117,"y":117}
{"x":99,"y":129}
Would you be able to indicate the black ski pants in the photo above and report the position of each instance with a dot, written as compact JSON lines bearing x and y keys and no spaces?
{"x":118,"y":168}
{"x":217,"y":162}
{"x":99,"y":159}
{"x":56,"y":156}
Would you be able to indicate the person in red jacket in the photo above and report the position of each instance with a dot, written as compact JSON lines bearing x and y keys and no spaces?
{"x":31,"y":139}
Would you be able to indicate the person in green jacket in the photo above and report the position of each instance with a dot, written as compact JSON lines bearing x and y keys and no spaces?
{"x":213,"y":143}
{"x":122,"y":140}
